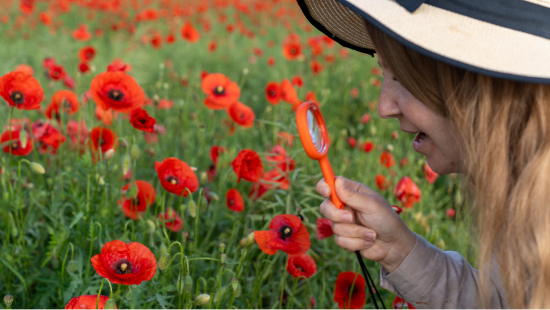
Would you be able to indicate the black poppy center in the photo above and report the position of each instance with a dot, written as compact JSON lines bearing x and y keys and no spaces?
{"x":89,"y":54}
{"x":231,"y":202}
{"x":272,"y":93}
{"x":219,"y":90}
{"x":15,"y":145}
{"x":123,"y":266}
{"x":172,"y":179}
{"x":293,"y":51}
{"x":102,"y":141}
{"x":241,"y":115}
{"x":17,"y":97}
{"x":354,"y":290}
{"x":135,"y":201}
{"x":286,"y":232}
{"x":143,"y":121}
{"x":115,"y":95}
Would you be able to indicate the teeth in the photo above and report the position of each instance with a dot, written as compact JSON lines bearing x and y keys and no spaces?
{"x":421,"y":137}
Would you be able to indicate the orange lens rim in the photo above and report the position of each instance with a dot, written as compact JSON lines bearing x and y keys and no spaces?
{"x":303,"y":129}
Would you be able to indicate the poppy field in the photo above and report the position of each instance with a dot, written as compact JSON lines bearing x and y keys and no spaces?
{"x":150,"y":158}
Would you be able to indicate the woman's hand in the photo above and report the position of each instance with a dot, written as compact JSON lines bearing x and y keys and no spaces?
{"x":367,"y":224}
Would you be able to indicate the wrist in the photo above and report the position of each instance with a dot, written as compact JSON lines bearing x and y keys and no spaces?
{"x":399,"y":251}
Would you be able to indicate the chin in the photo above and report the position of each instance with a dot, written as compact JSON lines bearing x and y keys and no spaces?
{"x":442,"y":167}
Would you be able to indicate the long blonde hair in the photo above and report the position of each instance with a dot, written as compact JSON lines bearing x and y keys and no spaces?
{"x":504,"y":129}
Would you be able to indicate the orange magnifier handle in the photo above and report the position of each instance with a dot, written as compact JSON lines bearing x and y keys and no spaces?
{"x":314,"y":136}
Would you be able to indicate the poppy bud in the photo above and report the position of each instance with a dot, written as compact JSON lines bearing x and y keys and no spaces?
{"x":8,"y":300}
{"x":222,"y":247}
{"x":100,"y":180}
{"x":214,"y":196}
{"x":458,"y":197}
{"x":152,"y":226}
{"x":135,"y":152}
{"x":234,"y":283}
{"x":110,"y":304}
{"x":23,"y":138}
{"x":72,"y":266}
{"x":109,"y":154}
{"x":245,"y":71}
{"x":188,"y":284}
{"x":204,"y":177}
{"x":250,"y":239}
{"x":389,"y":147}
{"x":440,"y":244}
{"x":192,"y":208}
{"x":202,"y":299}
{"x":223,"y":258}
{"x":243,"y":241}
{"x":372,"y":130}
{"x":164,"y":261}
{"x":126,"y":161}
{"x":37,"y":168}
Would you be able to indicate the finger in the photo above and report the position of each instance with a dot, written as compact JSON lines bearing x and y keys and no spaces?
{"x":353,"y":231}
{"x":356,"y":197}
{"x":322,"y":188}
{"x":352,"y":244}
{"x":329,"y":210}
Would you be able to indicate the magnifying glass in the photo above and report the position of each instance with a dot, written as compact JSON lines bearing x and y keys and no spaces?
{"x":314,"y":136}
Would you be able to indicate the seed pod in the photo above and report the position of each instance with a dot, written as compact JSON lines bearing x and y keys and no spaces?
{"x":37,"y":168}
{"x":110,"y":304}
{"x":222,"y":247}
{"x":192,"y":208}
{"x":223,"y":258}
{"x":234,"y":283}
{"x":8,"y":300}
{"x":164,"y":261}
{"x":188,"y":284}
{"x":135,"y":152}
{"x":126,"y":162}
{"x":202,"y":299}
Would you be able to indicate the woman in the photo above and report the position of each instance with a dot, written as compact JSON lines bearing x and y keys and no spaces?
{"x":473,"y":82}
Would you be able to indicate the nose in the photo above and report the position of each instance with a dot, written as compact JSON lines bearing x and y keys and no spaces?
{"x":387,"y":102}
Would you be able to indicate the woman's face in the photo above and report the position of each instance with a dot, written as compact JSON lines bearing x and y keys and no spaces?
{"x":441,"y":144}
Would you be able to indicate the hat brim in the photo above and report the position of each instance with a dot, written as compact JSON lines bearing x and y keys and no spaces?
{"x":446,"y":36}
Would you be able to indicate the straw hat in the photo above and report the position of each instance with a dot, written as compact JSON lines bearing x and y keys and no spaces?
{"x":508,"y":39}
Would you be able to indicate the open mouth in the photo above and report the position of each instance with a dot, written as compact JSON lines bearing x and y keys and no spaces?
{"x":419,"y":141}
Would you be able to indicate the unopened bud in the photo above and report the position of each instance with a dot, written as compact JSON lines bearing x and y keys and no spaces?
{"x":151,"y":225}
{"x":204,"y":177}
{"x":372,"y":130}
{"x":188,"y":284}
{"x":164,"y":261}
{"x":243,"y":241}
{"x":37,"y":168}
{"x":109,"y":154}
{"x":126,"y":162}
{"x":440,"y":244}
{"x":135,"y":152}
{"x":234,"y":283}
{"x":245,"y":71}
{"x":389,"y":147}
{"x":110,"y":304}
{"x":202,"y":299}
{"x":223,"y":258}
{"x":72,"y":266}
{"x":214,"y":196}
{"x":23,"y":138}
{"x":250,"y":239}
{"x":8,"y":300}
{"x":222,"y":247}
{"x":192,"y":208}
{"x":100,"y":180}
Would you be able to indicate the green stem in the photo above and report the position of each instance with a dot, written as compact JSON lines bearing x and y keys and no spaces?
{"x":292,"y":295}
{"x":283,"y":284}
{"x":99,"y":294}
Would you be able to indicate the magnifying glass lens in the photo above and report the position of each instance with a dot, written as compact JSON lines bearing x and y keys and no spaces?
{"x":314,"y":131}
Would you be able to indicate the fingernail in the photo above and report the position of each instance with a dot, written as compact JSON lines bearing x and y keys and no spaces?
{"x":368,"y":243}
{"x":346,"y":217}
{"x":325,"y":191}
{"x":370,"y":236}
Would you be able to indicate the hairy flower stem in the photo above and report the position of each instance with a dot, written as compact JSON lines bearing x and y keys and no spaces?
{"x":99,"y":293}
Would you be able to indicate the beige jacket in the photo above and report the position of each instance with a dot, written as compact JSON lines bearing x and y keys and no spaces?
{"x":431,"y":278}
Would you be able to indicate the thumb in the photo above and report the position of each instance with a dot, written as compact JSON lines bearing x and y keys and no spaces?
{"x":353,"y":194}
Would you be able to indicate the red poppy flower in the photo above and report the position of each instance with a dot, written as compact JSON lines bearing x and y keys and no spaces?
{"x":248,"y":165}
{"x":118,"y":91}
{"x":450,"y":213}
{"x":134,"y":206}
{"x":323,"y":228}
{"x":25,"y":69}
{"x":352,"y":142}
{"x":397,"y":209}
{"x":17,"y":148}
{"x":382,"y":183}
{"x":102,"y":137}
{"x":212,"y":46}
{"x":211,"y":173}
{"x":83,"y":67}
{"x":64,"y":100}
{"x":123,"y":263}
{"x":310,"y":96}
{"x":86,"y":53}
{"x":280,"y":158}
{"x":407,"y":192}
{"x":398,"y":303}
{"x":170,"y":38}
{"x":395,"y":135}
{"x":272,"y":93}
{"x":87,"y":302}
{"x":172,"y":219}
{"x":165,"y":104}
{"x":285,"y":136}
{"x":234,"y":200}
{"x":271,"y":179}
{"x":175,"y":175}
{"x":270,"y":61}
{"x":21,"y":90}
{"x":386,"y":159}
{"x":189,"y":33}
{"x":297,"y":80}
{"x":288,"y":93}
{"x":292,"y":50}
{"x":365,"y":118}
{"x":316,"y":67}
{"x":287,"y":233}
{"x":49,"y":138}
{"x":431,"y":176}
{"x":68,"y":81}
{"x":140,"y":119}
{"x":241,"y":114}
{"x":119,"y":65}
{"x":258,"y":51}
{"x":56,"y":72}
{"x":403,"y":162}
{"x":156,"y":41}
{"x":215,"y":152}
{"x":221,"y":91}
{"x":82,"y":33}
{"x":105,"y":116}
{"x":367,"y":146}
{"x":301,"y":265}
{"x":342,"y":292}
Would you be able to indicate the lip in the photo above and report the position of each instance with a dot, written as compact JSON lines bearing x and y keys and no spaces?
{"x":417,"y":146}
{"x":411,"y":132}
